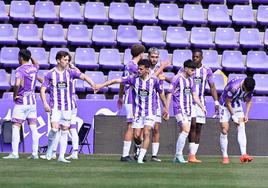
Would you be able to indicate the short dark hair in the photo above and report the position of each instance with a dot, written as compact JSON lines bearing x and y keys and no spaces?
{"x":137,"y":49}
{"x":198,"y":51}
{"x":144,"y":62}
{"x":249,"y":84}
{"x":25,"y":54}
{"x":61,"y":54}
{"x":189,"y":64}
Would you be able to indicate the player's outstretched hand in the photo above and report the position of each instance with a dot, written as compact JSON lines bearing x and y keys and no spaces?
{"x":47,"y":108}
{"x":161,"y":77}
{"x":96,"y":88}
{"x":165,"y":64}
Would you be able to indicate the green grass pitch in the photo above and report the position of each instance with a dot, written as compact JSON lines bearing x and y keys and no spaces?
{"x":107,"y":171}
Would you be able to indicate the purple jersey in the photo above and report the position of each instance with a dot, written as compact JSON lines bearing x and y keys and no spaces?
{"x":233,"y":90}
{"x":143,"y":94}
{"x":130,"y":69}
{"x":60,"y":87}
{"x":181,"y":89}
{"x":27,"y":73}
{"x":201,"y":77}
{"x":152,"y":71}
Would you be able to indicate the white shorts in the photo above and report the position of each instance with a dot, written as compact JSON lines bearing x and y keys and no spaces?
{"x":198,"y":114}
{"x":139,"y":122}
{"x":22,"y":112}
{"x":225,"y":115}
{"x":73,"y":117}
{"x":63,"y":117}
{"x":158,"y":117}
{"x":129,"y":112}
{"x":183,"y":119}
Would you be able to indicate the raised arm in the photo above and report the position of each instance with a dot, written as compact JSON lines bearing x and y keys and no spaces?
{"x":87,"y":79}
{"x":161,"y":68}
{"x":107,"y":83}
{"x":34,"y":62}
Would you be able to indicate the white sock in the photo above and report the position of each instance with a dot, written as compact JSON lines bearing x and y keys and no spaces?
{"x":35,"y":139}
{"x":126,"y":148}
{"x":191,"y":148}
{"x":196,"y":146}
{"x":155,"y":148}
{"x":75,"y":139}
{"x":51,"y":137}
{"x":242,"y":138}
{"x":181,"y":142}
{"x":55,"y":142}
{"x":224,"y":144}
{"x":63,"y":143}
{"x":15,"y":139}
{"x":141,"y":155}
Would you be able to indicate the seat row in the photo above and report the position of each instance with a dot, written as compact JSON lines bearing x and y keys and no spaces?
{"x":127,"y":35}
{"x":144,"y":13}
{"x":112,"y":59}
{"x":98,"y":77}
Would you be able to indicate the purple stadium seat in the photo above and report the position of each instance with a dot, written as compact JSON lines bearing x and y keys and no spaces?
{"x":262,"y":15}
{"x":112,"y":75}
{"x":7,"y":36}
{"x":243,"y":15}
{"x":170,"y":75}
{"x":219,"y":83}
{"x":233,"y":61}
{"x":179,"y":56}
{"x":257,"y":99}
{"x":95,"y":97}
{"x":70,"y":12}
{"x":261,"y":86}
{"x":53,"y":34}
{"x":218,"y":15}
{"x":9,"y":57}
{"x":3,"y":14}
{"x":257,"y":61}
{"x":45,"y":11}
{"x":7,"y":95}
{"x":266,"y":38}
{"x":110,"y":59}
{"x":177,"y":37}
{"x":52,"y":55}
{"x":28,"y":34}
{"x":152,"y":36}
{"x":213,"y":1}
{"x":79,"y":85}
{"x":210,"y":59}
{"x":85,"y":58}
{"x":120,"y":13}
{"x":39,"y":54}
{"x":98,"y":78}
{"x":238,"y":1}
{"x":233,"y":76}
{"x":260,"y":1}
{"x":12,"y":77}
{"x":169,"y":14}
{"x":127,"y":56}
{"x":226,"y":38}
{"x":193,"y":14}
{"x":4,"y":83}
{"x":103,"y":35}
{"x":78,"y":35}
{"x":95,"y":12}
{"x":190,"y":1}
{"x":144,"y":13}
{"x":201,"y":37}
{"x":41,"y":74}
{"x":127,"y":35}
{"x":250,"y":38}
{"x":21,"y":11}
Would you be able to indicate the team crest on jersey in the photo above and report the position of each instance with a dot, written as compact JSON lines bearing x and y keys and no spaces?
{"x":143,"y":92}
{"x":197,"y":80}
{"x":61,"y":85}
{"x":187,"y":90}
